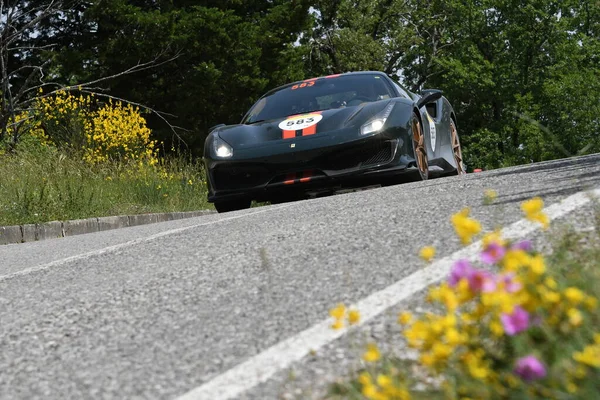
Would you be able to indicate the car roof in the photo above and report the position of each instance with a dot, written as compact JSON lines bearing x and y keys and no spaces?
{"x":326,"y":77}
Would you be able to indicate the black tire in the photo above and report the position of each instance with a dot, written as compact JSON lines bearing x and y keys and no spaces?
{"x":419,"y":149}
{"x":456,"y":149}
{"x":232,"y":205}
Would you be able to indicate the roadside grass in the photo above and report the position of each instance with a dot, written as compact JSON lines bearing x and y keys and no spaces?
{"x":44,"y":184}
{"x":573,"y":262}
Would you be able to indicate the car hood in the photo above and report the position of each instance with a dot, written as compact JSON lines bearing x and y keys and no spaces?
{"x":330,"y":122}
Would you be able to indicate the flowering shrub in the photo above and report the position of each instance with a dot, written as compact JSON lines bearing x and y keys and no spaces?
{"x":118,"y":132}
{"x":505,"y":328}
{"x":100,"y":133}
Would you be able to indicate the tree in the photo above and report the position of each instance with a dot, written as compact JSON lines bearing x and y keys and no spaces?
{"x":36,"y":47}
{"x":515,"y":70}
{"x":228,"y":54}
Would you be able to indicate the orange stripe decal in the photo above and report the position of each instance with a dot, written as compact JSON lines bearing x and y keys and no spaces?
{"x":311,"y":130}
{"x":306,"y":176}
{"x":289,"y":134}
{"x":290,"y":179}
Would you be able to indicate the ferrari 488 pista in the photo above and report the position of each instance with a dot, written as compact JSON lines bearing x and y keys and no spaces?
{"x":327,"y":133}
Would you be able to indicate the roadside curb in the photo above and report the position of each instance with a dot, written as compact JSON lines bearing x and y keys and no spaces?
{"x":57,"y":229}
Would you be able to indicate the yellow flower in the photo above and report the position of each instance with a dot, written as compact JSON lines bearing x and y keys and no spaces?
{"x":370,"y":391}
{"x":353,"y":317}
{"x":574,"y":295}
{"x":404,"y":318}
{"x":427,"y":253}
{"x":364,"y":379}
{"x":384,"y":381}
{"x":453,"y":338}
{"x":589,"y":356}
{"x":446,"y":295}
{"x":337,"y":325}
{"x":496,"y":328}
{"x":441,"y":351}
{"x":532,"y":206}
{"x":493,"y":237}
{"x":551,"y":283}
{"x":591,"y":303}
{"x":427,"y":359}
{"x":372,"y":354}
{"x":533,"y":211}
{"x":338,"y":312}
{"x":575,"y":317}
{"x":190,"y":182}
{"x":537,"y":265}
{"x":551,"y":297}
{"x":489,"y":196}
{"x":466,"y":228}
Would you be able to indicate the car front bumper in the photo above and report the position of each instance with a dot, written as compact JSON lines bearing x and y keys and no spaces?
{"x":306,"y":163}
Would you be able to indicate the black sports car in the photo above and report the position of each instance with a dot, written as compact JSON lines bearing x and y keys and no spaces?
{"x":321,"y":134}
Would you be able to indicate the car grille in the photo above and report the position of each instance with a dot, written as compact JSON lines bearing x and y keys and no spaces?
{"x":240,"y":176}
{"x":375,"y":153}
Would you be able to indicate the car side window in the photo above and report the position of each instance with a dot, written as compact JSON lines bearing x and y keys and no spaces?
{"x":402,"y":92}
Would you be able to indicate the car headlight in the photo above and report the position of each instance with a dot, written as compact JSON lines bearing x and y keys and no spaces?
{"x":222,"y":149}
{"x":376,"y":123}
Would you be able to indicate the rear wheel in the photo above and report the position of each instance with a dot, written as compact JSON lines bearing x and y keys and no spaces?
{"x":420,"y":151}
{"x":456,"y":149}
{"x":232,"y":205}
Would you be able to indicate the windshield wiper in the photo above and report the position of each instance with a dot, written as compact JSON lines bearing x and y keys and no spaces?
{"x":255,"y":122}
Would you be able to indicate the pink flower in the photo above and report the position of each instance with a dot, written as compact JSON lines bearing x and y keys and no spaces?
{"x":493,"y":253}
{"x":461,"y":269}
{"x":525,"y":245}
{"x":530,"y":368}
{"x":516,"y":322}
{"x":482,"y":281}
{"x":510,"y":285}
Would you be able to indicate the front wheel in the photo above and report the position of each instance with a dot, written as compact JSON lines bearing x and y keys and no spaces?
{"x":419,"y":149}
{"x":232,"y":205}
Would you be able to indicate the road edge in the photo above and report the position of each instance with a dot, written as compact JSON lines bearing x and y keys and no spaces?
{"x":57,"y":229}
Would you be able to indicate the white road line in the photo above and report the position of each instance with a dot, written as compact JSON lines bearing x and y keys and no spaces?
{"x":261,"y":367}
{"x":134,"y":242}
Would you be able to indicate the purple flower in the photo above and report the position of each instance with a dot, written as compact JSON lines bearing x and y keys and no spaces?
{"x":530,"y":368}
{"x":482,"y":281}
{"x":493,"y":253}
{"x":510,"y":285}
{"x":461,"y":269}
{"x":525,"y":245}
{"x":516,"y":322}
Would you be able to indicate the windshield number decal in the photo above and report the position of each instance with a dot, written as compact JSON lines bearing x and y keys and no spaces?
{"x":303,"y":85}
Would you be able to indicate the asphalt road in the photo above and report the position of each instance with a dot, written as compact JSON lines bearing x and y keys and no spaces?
{"x":155,"y":311}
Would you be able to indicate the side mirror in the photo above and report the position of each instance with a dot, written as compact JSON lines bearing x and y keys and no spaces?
{"x":429,"y":97}
{"x":212,"y":128}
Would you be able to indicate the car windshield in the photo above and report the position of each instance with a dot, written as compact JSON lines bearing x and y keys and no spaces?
{"x":319,"y":94}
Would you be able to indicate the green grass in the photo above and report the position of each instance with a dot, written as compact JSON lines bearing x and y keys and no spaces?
{"x":45,"y":184}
